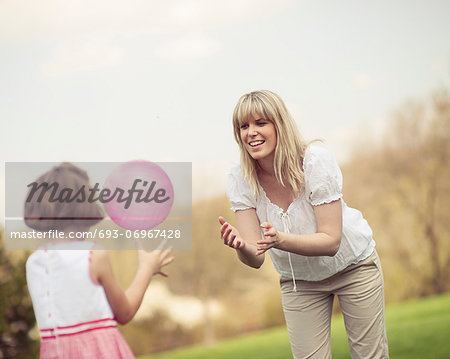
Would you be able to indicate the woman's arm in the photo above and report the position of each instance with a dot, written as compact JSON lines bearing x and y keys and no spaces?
{"x":325,"y":242}
{"x":244,"y":239}
{"x":125,"y":304}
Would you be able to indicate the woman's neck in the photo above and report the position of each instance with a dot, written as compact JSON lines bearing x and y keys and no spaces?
{"x":266,"y":167}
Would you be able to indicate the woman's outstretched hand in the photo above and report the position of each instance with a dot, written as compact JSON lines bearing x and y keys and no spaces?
{"x":271,"y":238}
{"x":230,"y":235}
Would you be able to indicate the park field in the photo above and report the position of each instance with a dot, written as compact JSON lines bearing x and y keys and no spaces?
{"x":416,"y":329}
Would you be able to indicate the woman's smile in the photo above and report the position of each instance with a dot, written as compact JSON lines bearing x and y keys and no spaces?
{"x":256,"y":143}
{"x":259,"y":137}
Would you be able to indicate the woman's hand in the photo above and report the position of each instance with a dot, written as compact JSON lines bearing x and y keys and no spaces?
{"x":230,"y":235}
{"x":271,"y":238}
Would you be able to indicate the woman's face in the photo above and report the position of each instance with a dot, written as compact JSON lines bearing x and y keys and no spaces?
{"x":259,"y":137}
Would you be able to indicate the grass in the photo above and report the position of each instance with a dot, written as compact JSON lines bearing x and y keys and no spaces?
{"x":416,"y":329}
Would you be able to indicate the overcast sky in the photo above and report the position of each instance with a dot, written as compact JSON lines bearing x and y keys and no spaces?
{"x":113,"y":80}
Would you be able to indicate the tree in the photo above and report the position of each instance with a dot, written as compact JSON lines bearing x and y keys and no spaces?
{"x":417,"y":160}
{"x":406,"y":193}
{"x":17,"y":316}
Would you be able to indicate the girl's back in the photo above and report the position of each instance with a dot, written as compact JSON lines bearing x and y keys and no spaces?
{"x":73,"y":288}
{"x":73,"y":313}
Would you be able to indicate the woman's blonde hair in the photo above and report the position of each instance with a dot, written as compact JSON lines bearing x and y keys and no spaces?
{"x":290,"y":147}
{"x":45,"y":213}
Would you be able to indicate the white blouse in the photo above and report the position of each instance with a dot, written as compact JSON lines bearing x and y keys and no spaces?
{"x":323,"y":184}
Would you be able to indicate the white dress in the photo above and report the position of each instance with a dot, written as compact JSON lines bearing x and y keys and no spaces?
{"x":323,"y":184}
{"x":72,"y":312}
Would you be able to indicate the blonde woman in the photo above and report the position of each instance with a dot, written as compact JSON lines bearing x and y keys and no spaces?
{"x":287,"y":200}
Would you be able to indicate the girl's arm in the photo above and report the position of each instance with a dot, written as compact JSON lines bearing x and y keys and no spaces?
{"x":245,"y":239}
{"x":325,"y":242}
{"x":125,"y":304}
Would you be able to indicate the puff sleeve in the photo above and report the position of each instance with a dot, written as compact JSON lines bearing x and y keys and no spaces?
{"x":238,"y":191}
{"x":323,"y":177}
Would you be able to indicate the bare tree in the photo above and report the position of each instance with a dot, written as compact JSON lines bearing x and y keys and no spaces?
{"x":416,"y":160}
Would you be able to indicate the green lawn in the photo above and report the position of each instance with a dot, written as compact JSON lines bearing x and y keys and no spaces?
{"x":416,"y":329}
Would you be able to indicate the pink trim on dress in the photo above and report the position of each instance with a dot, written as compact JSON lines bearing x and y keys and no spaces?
{"x":77,"y":325}
{"x":80,"y":332}
{"x":75,"y":328}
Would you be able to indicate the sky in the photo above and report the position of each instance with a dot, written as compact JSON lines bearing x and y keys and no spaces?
{"x":158,"y":80}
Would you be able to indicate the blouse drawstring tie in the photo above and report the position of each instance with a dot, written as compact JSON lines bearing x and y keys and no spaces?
{"x":287,"y":226}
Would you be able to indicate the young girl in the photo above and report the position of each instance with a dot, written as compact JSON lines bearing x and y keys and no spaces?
{"x":290,"y":193}
{"x":76,"y":298}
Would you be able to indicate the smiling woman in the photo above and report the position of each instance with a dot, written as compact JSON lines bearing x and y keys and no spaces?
{"x":287,"y":200}
{"x":269,"y":113}
{"x":259,"y":137}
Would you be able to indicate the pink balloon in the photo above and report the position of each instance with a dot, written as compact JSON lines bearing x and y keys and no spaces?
{"x":140,"y":197}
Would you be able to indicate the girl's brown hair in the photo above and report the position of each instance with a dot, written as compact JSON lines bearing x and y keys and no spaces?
{"x":43,"y":213}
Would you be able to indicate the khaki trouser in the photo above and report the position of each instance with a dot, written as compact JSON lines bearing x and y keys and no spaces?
{"x":360,"y":291}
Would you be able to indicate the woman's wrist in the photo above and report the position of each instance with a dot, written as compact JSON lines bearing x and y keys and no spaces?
{"x":281,"y":240}
{"x":242,"y":246}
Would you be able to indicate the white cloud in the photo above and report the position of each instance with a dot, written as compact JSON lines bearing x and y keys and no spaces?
{"x":53,"y":19}
{"x":189,"y":47}
{"x":71,"y":24}
{"x":72,"y":56}
{"x":363,"y":81}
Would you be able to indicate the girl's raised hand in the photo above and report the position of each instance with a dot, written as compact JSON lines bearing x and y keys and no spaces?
{"x":156,"y":259}
{"x":230,"y":235}
{"x":271,"y":238}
